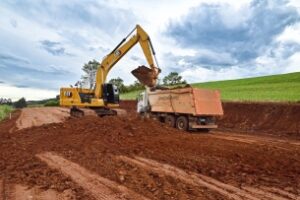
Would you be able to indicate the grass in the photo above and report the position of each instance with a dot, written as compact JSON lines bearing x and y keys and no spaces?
{"x":130,"y":95}
{"x":4,"y":111}
{"x":35,"y":105}
{"x":275,"y":88}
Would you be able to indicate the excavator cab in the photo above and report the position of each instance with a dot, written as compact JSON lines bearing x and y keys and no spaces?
{"x":110,"y":93}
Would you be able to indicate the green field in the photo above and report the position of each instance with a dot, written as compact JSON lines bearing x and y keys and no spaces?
{"x":130,"y":95}
{"x":4,"y":111}
{"x":276,"y":88}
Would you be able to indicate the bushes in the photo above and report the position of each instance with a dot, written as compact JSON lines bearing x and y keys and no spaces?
{"x":52,"y":103}
{"x":4,"y":111}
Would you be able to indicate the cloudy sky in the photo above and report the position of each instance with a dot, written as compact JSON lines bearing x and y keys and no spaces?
{"x":43,"y":44}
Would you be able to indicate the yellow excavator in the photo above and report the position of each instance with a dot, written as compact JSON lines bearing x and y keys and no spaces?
{"x":104,"y":97}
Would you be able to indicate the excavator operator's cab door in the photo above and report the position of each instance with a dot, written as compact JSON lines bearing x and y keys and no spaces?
{"x":110,"y":93}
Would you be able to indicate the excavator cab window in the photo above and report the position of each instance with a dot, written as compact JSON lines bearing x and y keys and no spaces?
{"x":110,"y":93}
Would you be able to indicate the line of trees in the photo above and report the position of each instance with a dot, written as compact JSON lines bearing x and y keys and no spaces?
{"x":6,"y":101}
{"x":21,"y":103}
{"x":89,"y":77}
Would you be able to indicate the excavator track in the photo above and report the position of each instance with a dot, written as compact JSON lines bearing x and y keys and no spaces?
{"x":101,"y":112}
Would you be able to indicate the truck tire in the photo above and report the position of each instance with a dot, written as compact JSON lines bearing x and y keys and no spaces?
{"x":170,"y":120}
{"x":182,"y":123}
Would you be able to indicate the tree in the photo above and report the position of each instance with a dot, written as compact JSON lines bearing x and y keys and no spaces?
{"x":135,"y":86}
{"x":21,"y":103}
{"x":119,"y":83}
{"x":173,"y":79}
{"x":9,"y":101}
{"x":90,"y":70}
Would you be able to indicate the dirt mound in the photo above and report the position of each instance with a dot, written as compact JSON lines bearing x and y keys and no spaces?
{"x":43,"y":115}
{"x":273,"y":118}
{"x":128,"y":105}
{"x":94,"y":143}
{"x":149,"y":159}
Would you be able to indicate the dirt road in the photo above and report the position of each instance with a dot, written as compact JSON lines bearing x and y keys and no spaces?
{"x":38,"y":116}
{"x":120,"y":158}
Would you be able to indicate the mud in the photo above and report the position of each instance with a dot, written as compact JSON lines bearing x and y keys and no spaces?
{"x":98,"y":186}
{"x":209,"y":183}
{"x":20,"y":192}
{"x":280,"y":119}
{"x":148,"y":159}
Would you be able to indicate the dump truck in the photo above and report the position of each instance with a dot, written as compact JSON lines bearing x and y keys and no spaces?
{"x":184,"y":108}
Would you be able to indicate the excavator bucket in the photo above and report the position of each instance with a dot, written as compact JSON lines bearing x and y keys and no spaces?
{"x":145,"y":75}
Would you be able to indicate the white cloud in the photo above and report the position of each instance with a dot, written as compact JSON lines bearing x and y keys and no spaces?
{"x":15,"y":93}
{"x":290,"y":34}
{"x":293,"y":63}
{"x":201,"y":74}
{"x":89,"y":30}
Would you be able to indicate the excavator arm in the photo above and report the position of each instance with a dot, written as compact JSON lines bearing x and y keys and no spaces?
{"x":120,"y":50}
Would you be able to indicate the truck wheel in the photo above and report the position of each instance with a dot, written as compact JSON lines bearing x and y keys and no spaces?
{"x":170,"y":120}
{"x":182,"y":123}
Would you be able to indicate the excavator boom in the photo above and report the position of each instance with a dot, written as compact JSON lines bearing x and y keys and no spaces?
{"x":125,"y":45}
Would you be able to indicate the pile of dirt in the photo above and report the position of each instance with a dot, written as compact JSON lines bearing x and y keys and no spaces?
{"x":102,"y":145}
{"x":272,"y":118}
{"x":149,"y":158}
{"x":129,"y":105}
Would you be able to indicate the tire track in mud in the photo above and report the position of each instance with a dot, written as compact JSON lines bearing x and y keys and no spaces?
{"x":2,"y":190}
{"x":258,"y":140}
{"x":281,"y":192}
{"x":235,"y":139}
{"x":99,"y":187}
{"x":20,"y":192}
{"x":228,"y":191}
{"x":263,"y":194}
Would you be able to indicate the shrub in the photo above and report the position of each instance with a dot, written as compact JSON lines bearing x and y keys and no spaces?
{"x":4,"y":111}
{"x":21,"y":103}
{"x":52,"y":103}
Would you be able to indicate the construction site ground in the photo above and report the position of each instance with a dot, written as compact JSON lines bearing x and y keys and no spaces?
{"x":254,"y":154}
